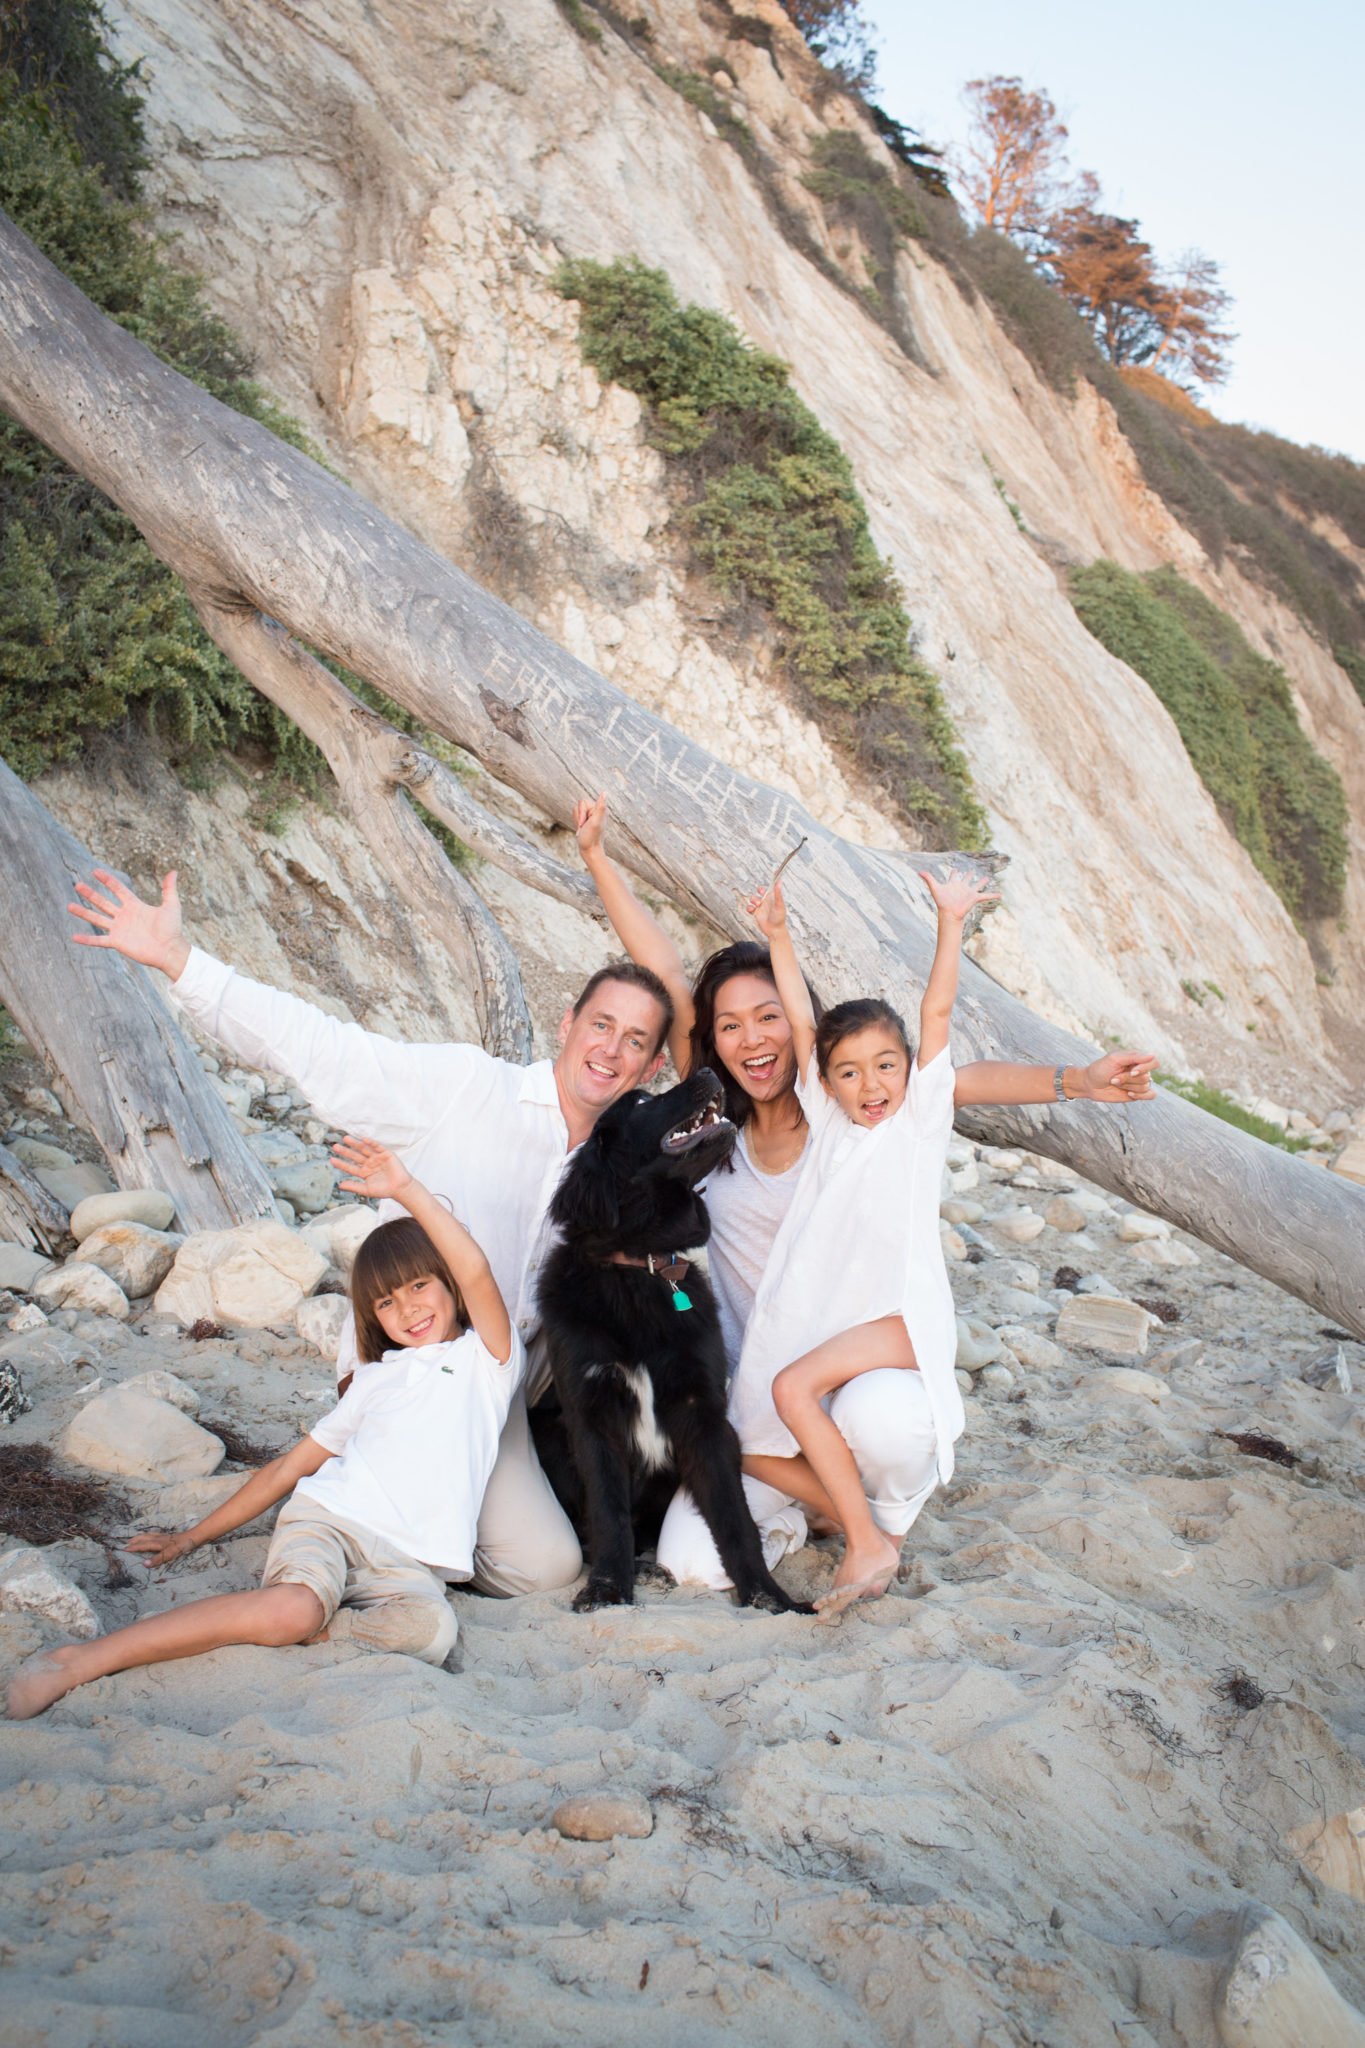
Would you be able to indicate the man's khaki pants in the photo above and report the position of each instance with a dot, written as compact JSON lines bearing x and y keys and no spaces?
{"x":525,"y":1541}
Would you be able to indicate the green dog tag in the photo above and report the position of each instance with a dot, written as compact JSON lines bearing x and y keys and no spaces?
{"x":680,"y":1300}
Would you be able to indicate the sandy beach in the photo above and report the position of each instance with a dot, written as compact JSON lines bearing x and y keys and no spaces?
{"x":1030,"y":1797}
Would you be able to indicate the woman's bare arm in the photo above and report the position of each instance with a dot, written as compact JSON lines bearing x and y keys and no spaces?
{"x":639,"y":931}
{"x":768,"y":909}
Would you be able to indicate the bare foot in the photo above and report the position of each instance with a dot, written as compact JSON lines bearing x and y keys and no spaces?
{"x":39,"y":1681}
{"x":866,"y":1573}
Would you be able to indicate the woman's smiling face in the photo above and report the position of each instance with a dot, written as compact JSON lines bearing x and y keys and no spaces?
{"x":753,"y":1037}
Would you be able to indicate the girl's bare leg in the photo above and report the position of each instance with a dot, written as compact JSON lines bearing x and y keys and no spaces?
{"x":270,"y":1615}
{"x":870,"y":1555}
{"x":793,"y":1477}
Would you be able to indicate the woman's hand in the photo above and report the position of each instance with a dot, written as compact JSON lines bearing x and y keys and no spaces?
{"x":370,"y":1170}
{"x":768,"y":909}
{"x":1119,"y":1077}
{"x":157,"y":1547}
{"x":589,"y":819}
{"x":958,"y":894}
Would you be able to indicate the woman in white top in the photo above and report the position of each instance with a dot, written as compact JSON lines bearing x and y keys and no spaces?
{"x":856,"y":1283}
{"x":731,"y":1019}
{"x":385,"y":1490}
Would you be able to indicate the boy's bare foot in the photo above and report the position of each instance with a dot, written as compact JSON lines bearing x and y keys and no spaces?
{"x":866,"y":1573}
{"x":39,"y":1681}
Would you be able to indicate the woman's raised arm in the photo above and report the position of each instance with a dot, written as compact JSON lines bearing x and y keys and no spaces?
{"x":639,"y":931}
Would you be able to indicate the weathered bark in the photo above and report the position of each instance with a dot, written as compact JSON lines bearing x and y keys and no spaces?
{"x":99,"y":1024}
{"x":255,"y":523}
{"x":29,"y":1215}
{"x":346,"y":730}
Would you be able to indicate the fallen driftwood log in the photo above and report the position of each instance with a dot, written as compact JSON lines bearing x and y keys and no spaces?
{"x":29,"y":1215}
{"x":257,"y":529}
{"x":110,"y":1041}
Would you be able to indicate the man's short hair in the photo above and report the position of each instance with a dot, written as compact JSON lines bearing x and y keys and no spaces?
{"x":634,"y":976}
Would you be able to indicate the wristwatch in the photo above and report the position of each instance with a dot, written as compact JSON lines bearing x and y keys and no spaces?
{"x":1059,"y":1085}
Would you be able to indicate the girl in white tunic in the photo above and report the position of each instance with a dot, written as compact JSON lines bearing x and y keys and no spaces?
{"x":856,"y":1283}
{"x":384,"y":1491}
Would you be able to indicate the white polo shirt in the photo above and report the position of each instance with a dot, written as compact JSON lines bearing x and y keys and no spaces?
{"x":414,"y":1439}
{"x":486,"y":1134}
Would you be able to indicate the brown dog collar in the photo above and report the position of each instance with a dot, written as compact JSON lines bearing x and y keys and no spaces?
{"x":673,"y":1270}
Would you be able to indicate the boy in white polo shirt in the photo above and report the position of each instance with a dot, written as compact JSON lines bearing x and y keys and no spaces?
{"x":385,"y":1491}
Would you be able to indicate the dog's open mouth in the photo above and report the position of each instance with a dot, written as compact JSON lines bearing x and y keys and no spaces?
{"x":709,"y":1119}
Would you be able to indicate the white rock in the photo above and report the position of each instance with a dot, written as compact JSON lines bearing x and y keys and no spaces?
{"x":1097,"y":1322}
{"x":136,"y":1258}
{"x":277,"y":1148}
{"x":965,"y":1383}
{"x":1165,"y":1251}
{"x":1276,"y":1993}
{"x":1001,"y":1159}
{"x":339,"y":1233}
{"x":1093,"y":1203}
{"x":1031,"y":1347}
{"x":1136,"y":1226}
{"x":1270,"y":1112}
{"x":30,"y":1585}
{"x":250,"y":1291}
{"x":320,"y":1321}
{"x":133,"y":1436}
{"x":961,"y":1209}
{"x":72,"y":1185}
{"x":597,"y":1816}
{"x":961,"y":1151}
{"x":965,"y":1177}
{"x":36,"y":1152}
{"x":21,"y":1269}
{"x":79,"y":1285}
{"x":187,"y":1291}
{"x":1023,"y":1273}
{"x":309,"y":1186}
{"x":1125,"y":1380}
{"x":977,"y":1345}
{"x":126,"y":1205}
{"x":42,"y":1102}
{"x":1095,"y":1283}
{"x":288,"y":1251}
{"x":1062,"y":1213}
{"x":1020,"y":1226}
{"x":29,"y":1317}
{"x":954,"y":1248}
{"x":1350,"y":1162}
{"x":238,"y":1095}
{"x":163,"y":1386}
{"x":997,"y":1377}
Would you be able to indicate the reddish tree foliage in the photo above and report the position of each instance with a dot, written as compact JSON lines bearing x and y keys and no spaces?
{"x":1015,"y":160}
{"x":1136,"y":312}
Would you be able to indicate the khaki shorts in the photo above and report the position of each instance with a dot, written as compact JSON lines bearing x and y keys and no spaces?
{"x":372,"y":1593}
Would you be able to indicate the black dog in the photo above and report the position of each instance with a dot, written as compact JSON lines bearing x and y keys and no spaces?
{"x":635,"y":1346}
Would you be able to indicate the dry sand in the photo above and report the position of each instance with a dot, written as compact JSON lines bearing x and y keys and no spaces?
{"x":1015,"y":1802}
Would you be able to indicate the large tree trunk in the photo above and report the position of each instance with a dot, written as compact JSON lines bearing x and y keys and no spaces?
{"x":249,"y":522}
{"x":109,"y":1039}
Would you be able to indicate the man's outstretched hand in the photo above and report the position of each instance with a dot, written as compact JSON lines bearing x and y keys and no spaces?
{"x":148,"y":932}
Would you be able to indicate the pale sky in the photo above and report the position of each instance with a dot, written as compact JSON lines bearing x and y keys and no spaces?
{"x":1233,"y":129}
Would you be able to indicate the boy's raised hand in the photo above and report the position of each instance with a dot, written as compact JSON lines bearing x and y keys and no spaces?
{"x":368,"y":1169}
{"x":957,"y":894}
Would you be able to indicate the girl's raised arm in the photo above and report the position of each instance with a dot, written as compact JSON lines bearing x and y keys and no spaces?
{"x":955,"y":895}
{"x":639,"y":931}
{"x":370,"y":1170}
{"x":768,"y":909}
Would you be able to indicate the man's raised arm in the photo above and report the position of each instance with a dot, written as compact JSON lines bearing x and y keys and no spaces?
{"x":356,"y":1079}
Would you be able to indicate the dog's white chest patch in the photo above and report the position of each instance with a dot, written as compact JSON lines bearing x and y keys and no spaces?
{"x":649,"y":1442}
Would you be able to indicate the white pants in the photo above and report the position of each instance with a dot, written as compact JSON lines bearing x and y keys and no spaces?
{"x":884,"y":1419}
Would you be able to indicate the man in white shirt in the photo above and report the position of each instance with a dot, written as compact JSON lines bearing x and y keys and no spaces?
{"x":489,"y":1136}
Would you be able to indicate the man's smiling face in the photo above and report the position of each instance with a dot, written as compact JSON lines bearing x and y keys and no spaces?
{"x":609,"y":1047}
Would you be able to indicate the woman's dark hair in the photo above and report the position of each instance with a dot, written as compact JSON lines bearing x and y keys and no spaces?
{"x":847,"y":1018}
{"x":746,"y":956}
{"x":389,"y":1258}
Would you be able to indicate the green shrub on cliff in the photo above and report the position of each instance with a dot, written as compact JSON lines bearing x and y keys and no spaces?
{"x":1235,"y":712}
{"x":772,"y":514}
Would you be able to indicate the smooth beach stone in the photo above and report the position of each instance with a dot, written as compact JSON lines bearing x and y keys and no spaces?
{"x":320,"y":1321}
{"x":308,"y":1186}
{"x":1031,"y":1347}
{"x":277,"y":1148}
{"x":1098,"y":1322}
{"x":136,"y":1258}
{"x":1276,"y":1994}
{"x":961,"y":1209}
{"x":249,"y":1290}
{"x":21,"y":1269}
{"x":977,"y":1345}
{"x":36,"y":1152}
{"x":163,"y":1386}
{"x":133,"y":1436}
{"x":80,"y":1285}
{"x":28,"y":1317}
{"x":187,"y":1291}
{"x":288,"y":1251}
{"x":1020,"y":1226}
{"x":997,"y":1377}
{"x":1165,"y":1251}
{"x":965,"y":1383}
{"x":952,"y":1246}
{"x":149,"y":1206}
{"x":1136,"y":1226}
{"x":1001,"y":1159}
{"x":1062,"y":1213}
{"x":1124,"y":1379}
{"x":597,"y":1816}
{"x":30,"y":1585}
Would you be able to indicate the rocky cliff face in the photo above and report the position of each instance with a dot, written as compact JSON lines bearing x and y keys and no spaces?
{"x":379,"y":195}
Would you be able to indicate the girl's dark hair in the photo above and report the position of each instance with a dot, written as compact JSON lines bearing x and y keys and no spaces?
{"x":847,"y":1018}
{"x":746,"y":956}
{"x":389,"y":1258}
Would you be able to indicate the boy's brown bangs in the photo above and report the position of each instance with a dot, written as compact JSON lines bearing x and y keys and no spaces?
{"x":388,"y":1259}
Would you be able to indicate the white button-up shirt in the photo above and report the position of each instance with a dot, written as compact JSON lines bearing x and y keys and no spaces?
{"x":486,"y":1134}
